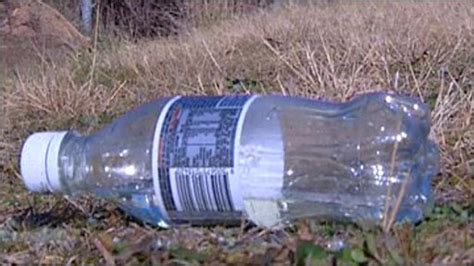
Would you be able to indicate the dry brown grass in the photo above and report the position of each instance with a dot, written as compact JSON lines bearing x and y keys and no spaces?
{"x":332,"y":52}
{"x":422,"y":49}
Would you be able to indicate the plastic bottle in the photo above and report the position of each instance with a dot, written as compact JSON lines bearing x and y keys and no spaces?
{"x":271,"y":159}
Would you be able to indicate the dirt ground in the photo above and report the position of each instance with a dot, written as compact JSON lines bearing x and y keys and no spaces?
{"x":31,"y":32}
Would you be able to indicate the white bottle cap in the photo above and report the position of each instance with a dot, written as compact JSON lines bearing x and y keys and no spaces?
{"x":39,"y":161}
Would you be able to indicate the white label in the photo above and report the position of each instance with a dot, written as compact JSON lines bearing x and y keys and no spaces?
{"x":194,"y":157}
{"x":202,"y":189}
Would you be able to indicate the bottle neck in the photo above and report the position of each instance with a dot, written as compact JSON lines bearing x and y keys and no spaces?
{"x":102,"y":164}
{"x":73,"y":170}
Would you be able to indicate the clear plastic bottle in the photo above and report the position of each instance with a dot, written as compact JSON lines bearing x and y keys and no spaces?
{"x":271,"y":159}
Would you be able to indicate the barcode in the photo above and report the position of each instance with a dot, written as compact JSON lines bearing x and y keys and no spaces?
{"x":201,"y":189}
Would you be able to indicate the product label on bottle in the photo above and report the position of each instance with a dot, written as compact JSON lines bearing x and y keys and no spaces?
{"x":197,"y":141}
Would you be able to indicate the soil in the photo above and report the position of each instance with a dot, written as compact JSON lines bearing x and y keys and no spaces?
{"x":32,"y":31}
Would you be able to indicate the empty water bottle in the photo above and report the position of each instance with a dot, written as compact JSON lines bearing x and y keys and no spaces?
{"x":270,"y":159}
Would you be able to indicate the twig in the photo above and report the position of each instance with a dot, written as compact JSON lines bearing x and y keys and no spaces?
{"x":389,"y":187}
{"x":248,"y":235}
{"x":290,"y":66}
{"x":331,"y":63}
{"x":401,"y":193}
{"x":212,"y":57}
{"x":178,"y":262}
{"x":94,"y":53}
{"x":417,"y":84}
{"x":71,"y":260}
{"x":114,"y":94}
{"x":76,"y":205}
{"x":15,"y":258}
{"x":243,"y":224}
{"x":201,"y":85}
{"x":109,"y":259}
